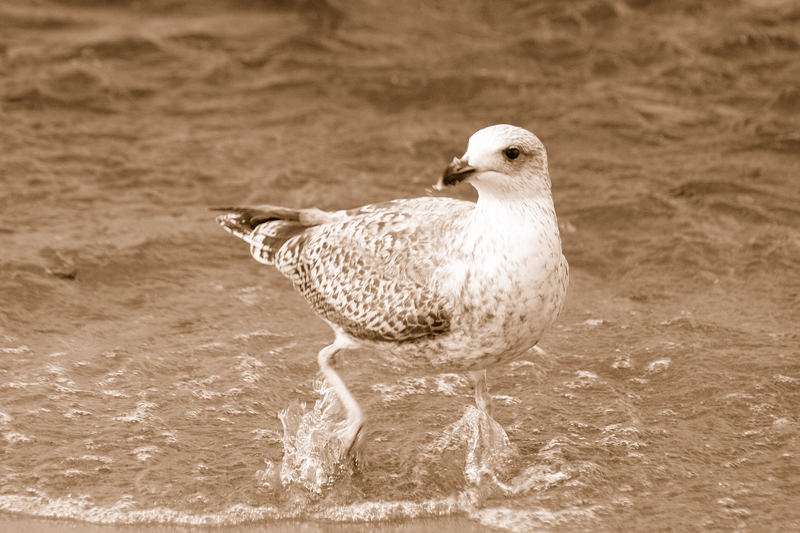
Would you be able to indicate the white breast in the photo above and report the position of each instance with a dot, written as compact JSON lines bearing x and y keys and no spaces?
{"x":512,"y":280}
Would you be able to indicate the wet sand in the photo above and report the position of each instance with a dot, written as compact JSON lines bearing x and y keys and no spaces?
{"x":144,"y":358}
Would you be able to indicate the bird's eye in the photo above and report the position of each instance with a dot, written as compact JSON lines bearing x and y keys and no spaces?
{"x":511,"y":153}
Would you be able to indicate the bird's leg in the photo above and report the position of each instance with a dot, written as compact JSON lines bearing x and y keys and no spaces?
{"x":482,"y":398}
{"x":355,"y":420}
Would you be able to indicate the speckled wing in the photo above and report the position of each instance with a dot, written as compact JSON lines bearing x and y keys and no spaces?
{"x":372,"y":273}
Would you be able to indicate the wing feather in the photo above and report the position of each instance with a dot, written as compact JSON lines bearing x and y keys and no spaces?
{"x":372,"y":273}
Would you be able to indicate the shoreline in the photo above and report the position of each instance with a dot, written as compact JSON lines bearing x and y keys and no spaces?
{"x":20,"y":523}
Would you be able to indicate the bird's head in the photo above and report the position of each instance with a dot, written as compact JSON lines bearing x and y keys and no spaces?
{"x":501,"y":160}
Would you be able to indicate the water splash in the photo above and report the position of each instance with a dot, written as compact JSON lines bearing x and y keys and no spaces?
{"x":475,"y":447}
{"x":488,"y":454}
{"x":491,"y":464}
{"x":314,"y":456}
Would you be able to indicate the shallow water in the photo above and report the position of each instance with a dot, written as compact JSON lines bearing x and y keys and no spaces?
{"x":151,"y":373}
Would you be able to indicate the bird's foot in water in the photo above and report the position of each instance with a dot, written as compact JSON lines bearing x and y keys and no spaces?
{"x":350,"y":433}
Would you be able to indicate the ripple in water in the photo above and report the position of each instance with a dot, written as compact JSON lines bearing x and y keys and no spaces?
{"x":315,"y":462}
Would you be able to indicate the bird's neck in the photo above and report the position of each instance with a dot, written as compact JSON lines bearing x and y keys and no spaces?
{"x":500,"y":204}
{"x":506,"y":216}
{"x":513,"y":203}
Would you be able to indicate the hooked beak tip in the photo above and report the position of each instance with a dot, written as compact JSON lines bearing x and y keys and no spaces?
{"x":457,"y":171}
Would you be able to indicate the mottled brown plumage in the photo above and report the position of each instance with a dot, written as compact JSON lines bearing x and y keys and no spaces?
{"x":368,"y":271}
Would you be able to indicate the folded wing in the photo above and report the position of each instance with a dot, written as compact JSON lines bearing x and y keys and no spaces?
{"x":373,"y":272}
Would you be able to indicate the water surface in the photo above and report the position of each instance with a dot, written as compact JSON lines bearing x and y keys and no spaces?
{"x":151,"y":373}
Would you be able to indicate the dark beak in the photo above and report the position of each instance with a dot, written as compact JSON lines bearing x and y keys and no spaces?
{"x":456,"y":172}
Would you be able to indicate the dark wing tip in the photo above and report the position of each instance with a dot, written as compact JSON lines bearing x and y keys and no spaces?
{"x":252,"y":216}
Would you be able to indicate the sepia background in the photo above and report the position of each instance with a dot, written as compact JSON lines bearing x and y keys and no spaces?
{"x":145,"y":358}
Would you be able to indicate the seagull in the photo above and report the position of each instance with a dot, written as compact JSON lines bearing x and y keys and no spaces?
{"x":432,"y":282}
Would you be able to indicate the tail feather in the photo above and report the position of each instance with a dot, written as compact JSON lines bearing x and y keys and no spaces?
{"x":267,"y":228}
{"x":257,"y":214}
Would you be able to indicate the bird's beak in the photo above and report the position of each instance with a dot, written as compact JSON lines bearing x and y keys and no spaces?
{"x":456,"y":172}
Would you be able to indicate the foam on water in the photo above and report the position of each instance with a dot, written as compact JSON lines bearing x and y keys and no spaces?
{"x":538,"y":519}
{"x":123,"y":511}
{"x":446,"y":384}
